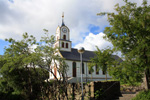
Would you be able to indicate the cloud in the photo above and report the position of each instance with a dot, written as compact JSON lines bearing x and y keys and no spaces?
{"x":32,"y":16}
{"x":91,"y":41}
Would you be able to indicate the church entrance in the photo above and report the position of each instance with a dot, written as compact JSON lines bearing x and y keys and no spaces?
{"x":74,"y":69}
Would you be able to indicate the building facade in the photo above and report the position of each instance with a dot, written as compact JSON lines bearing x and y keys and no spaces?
{"x":72,"y":58}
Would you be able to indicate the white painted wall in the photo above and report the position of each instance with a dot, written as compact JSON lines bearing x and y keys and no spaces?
{"x":92,"y":77}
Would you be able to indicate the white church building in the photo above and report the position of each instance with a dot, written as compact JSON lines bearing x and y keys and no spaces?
{"x":72,"y":58}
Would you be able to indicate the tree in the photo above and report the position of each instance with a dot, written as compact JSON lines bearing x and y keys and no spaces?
{"x":103,"y":60}
{"x":129,"y":32}
{"x":15,"y":68}
{"x":49,"y":59}
{"x":24,"y":69}
{"x":48,"y":56}
{"x":127,"y":72}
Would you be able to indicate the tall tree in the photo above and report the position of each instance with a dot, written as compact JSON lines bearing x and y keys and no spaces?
{"x":129,"y":32}
{"x":24,"y":69}
{"x":127,"y":72}
{"x":49,"y":59}
{"x":48,"y":56}
{"x":15,"y":68}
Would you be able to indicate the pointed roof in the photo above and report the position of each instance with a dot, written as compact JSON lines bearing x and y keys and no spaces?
{"x":63,"y":24}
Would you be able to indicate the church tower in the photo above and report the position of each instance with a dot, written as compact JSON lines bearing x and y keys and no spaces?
{"x":63,"y":37}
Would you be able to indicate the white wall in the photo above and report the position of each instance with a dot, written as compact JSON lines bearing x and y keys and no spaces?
{"x":93,"y":76}
{"x":86,"y":71}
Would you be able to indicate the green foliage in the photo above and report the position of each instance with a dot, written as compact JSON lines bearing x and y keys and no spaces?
{"x":90,"y":66}
{"x":103,"y":60}
{"x":129,"y":32}
{"x":98,"y":94}
{"x":143,"y":95}
{"x":25,"y":69}
{"x":17,"y":83}
{"x":126,"y":74}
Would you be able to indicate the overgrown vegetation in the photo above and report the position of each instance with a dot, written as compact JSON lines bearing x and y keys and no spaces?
{"x":98,"y":94}
{"x":129,"y":32}
{"x":143,"y":95}
{"x":25,"y":70}
{"x":103,"y":60}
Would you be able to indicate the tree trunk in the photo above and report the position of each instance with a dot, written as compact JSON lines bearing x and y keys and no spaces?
{"x":147,"y":73}
{"x":147,"y":79}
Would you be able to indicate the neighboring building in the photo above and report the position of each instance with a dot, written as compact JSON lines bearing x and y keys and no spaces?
{"x":72,"y":58}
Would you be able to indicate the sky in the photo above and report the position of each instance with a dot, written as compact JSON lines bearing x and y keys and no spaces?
{"x":32,"y":16}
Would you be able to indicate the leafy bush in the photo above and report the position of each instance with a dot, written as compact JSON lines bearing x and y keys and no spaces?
{"x":126,"y":73}
{"x":143,"y":95}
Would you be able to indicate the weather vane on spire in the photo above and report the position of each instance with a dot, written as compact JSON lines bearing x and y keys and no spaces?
{"x":63,"y":15}
{"x":63,"y":24}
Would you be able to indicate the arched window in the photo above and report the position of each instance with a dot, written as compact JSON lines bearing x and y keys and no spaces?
{"x":82,"y":68}
{"x":66,"y":45}
{"x":64,"y":37}
{"x":63,"y":45}
{"x":74,"y":69}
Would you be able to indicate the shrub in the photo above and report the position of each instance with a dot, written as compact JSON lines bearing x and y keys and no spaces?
{"x":143,"y":95}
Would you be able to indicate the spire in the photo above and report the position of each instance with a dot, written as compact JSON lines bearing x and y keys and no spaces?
{"x":63,"y":24}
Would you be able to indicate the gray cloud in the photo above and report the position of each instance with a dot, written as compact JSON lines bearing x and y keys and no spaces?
{"x":33,"y":16}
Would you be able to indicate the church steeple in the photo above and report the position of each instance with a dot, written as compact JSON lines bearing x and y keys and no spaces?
{"x":63,"y":37}
{"x":63,"y":24}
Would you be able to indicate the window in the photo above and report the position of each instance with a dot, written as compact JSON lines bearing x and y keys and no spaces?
{"x":63,"y":44}
{"x":82,"y":68}
{"x":64,"y":37}
{"x":66,"y":45}
{"x":103,"y":72}
{"x":97,"y":70}
{"x":74,"y":69}
{"x":89,"y":72}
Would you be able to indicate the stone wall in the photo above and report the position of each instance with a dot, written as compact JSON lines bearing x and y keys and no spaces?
{"x":92,"y":91}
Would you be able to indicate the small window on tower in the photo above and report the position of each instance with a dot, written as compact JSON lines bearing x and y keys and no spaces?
{"x":66,"y":45}
{"x":64,"y":37}
{"x":62,"y":44}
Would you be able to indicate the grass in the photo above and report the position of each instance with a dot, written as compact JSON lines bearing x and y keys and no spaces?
{"x":143,"y":95}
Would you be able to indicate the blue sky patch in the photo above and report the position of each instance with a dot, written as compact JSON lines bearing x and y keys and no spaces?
{"x":94,"y":29}
{"x":3,"y":44}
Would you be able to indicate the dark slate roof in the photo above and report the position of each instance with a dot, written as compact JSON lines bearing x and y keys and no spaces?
{"x":86,"y":56}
